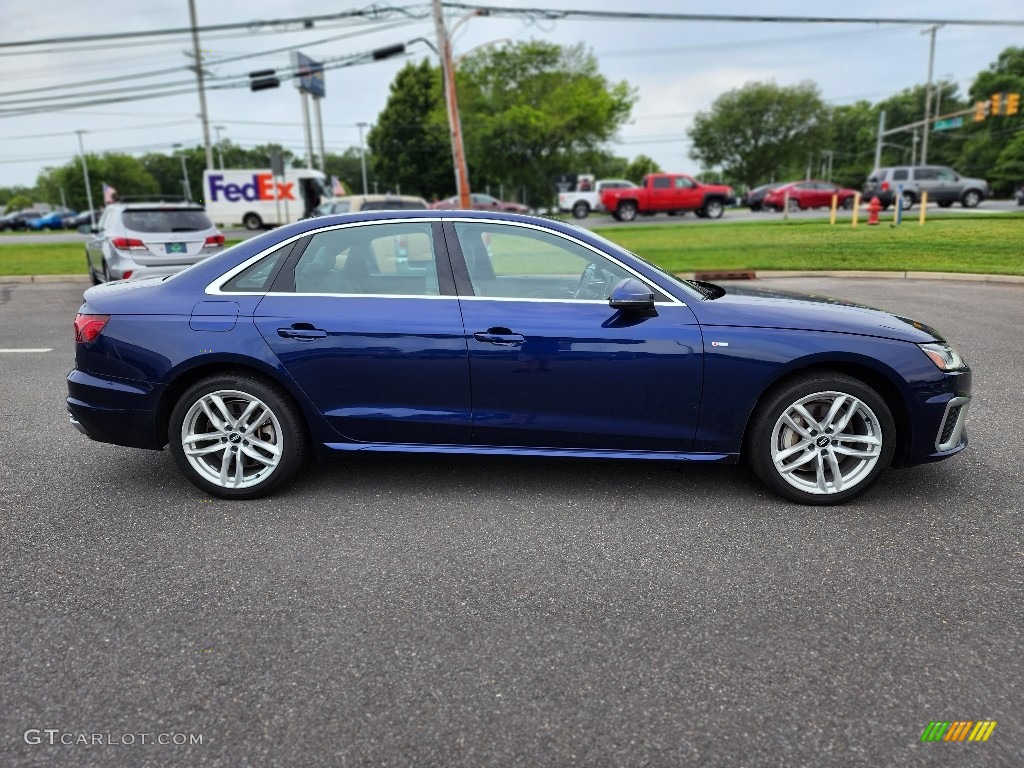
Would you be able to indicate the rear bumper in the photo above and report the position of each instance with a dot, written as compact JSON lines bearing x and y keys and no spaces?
{"x":114,"y":411}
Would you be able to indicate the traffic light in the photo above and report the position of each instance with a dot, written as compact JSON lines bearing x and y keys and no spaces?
{"x":1012,"y":103}
{"x":980,"y":110}
{"x":997,"y":104}
{"x":263,"y":79}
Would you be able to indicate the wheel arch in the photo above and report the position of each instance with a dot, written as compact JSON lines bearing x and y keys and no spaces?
{"x":882,"y":383}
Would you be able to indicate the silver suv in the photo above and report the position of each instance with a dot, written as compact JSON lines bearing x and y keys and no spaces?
{"x":944,"y":186}
{"x":137,"y":240}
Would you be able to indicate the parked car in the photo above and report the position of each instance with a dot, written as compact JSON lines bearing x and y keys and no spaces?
{"x":356,"y":203}
{"x":481,"y":203}
{"x":586,"y":195}
{"x":754,"y":199}
{"x":317,"y":338}
{"x":671,"y":193}
{"x":18,"y":219}
{"x":83,"y":219}
{"x":140,"y":239}
{"x":944,"y":186}
{"x":808,"y":194}
{"x":52,"y":220}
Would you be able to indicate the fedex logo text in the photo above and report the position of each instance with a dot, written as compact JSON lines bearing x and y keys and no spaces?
{"x":262,"y":187}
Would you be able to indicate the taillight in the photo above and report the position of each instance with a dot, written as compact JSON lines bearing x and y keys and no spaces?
{"x":127,"y":244}
{"x":885,"y":186}
{"x":215,"y":240}
{"x":127,"y":274}
{"x":88,"y":327}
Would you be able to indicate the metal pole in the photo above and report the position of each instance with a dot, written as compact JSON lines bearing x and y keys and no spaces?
{"x":309,"y":131}
{"x":88,"y":188}
{"x":362,"y":153}
{"x":199,"y":80}
{"x":878,"y":139}
{"x":220,"y":151}
{"x":928,"y":93}
{"x":454,"y":124}
{"x":320,"y":131}
{"x":185,"y":181}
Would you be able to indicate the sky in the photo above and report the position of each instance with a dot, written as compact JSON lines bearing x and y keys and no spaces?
{"x":678,"y":68}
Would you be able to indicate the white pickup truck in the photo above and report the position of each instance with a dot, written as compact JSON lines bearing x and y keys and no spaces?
{"x":585,"y":196}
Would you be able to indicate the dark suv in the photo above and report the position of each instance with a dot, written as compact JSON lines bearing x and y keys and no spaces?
{"x":944,"y":186}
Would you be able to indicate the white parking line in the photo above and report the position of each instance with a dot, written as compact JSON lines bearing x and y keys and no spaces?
{"x":27,"y":349}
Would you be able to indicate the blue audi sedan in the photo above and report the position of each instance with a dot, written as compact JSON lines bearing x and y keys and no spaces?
{"x":490,"y":333}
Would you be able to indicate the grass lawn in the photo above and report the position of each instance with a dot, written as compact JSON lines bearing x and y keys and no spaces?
{"x":950,"y":243}
{"x":975,"y":243}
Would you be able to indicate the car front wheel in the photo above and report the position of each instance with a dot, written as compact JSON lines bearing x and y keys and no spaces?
{"x":236,"y":436}
{"x":971,"y":198}
{"x":822,"y":438}
{"x":713,"y":209}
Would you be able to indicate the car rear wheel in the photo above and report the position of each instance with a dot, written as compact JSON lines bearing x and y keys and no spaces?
{"x":627,"y":210}
{"x":822,"y":438}
{"x":252,"y":222}
{"x":236,"y":436}
{"x":848,"y":204}
{"x":907,"y":200}
{"x":713,"y":209}
{"x":581,"y":210}
{"x":793,"y":205}
{"x":971,"y":198}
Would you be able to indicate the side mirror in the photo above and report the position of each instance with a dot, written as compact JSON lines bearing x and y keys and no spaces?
{"x":631,"y":294}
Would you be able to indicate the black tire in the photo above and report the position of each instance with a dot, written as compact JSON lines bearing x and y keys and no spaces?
{"x":92,"y":275}
{"x":713,"y":208}
{"x":627,"y":210}
{"x":971,"y":199}
{"x":581,"y":210}
{"x":252,"y":222}
{"x":848,"y":204}
{"x":907,"y":200}
{"x":767,"y":432}
{"x":283,"y":428}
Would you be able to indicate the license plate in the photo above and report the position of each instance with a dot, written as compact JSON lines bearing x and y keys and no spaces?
{"x":176,"y":248}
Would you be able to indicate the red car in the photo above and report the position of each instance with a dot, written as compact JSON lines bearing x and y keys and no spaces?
{"x":482,"y":203}
{"x":808,"y":194}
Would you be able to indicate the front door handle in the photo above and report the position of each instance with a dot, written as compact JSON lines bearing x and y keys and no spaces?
{"x":501,"y":336}
{"x":302,"y":332}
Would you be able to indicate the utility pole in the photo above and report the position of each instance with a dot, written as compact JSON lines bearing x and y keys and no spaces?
{"x":199,"y":80}
{"x":88,"y":187}
{"x":928,"y":92}
{"x":454,"y":124}
{"x":362,"y":154}
{"x":878,"y":140}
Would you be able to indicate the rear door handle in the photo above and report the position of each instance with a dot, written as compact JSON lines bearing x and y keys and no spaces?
{"x":302,"y":332}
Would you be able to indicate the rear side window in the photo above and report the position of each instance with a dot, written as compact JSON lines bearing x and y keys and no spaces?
{"x":258,"y":277}
{"x":900,"y":174}
{"x":662,"y":182}
{"x":166,"y":220}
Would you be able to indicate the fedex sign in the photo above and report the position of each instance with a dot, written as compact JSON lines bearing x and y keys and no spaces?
{"x":262,"y":187}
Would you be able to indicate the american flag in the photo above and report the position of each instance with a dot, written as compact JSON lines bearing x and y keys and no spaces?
{"x":337,"y":187}
{"x":108,"y":194}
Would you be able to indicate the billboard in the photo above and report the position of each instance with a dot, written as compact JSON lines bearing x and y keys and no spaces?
{"x":309,"y":75}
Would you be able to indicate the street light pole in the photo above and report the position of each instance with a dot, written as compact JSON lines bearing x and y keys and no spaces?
{"x":220,"y":151}
{"x":454,"y":124}
{"x":184,"y":175}
{"x":362,"y":153}
{"x":928,"y":92}
{"x":88,"y":187}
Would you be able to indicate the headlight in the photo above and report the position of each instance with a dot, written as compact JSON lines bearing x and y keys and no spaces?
{"x":944,"y":356}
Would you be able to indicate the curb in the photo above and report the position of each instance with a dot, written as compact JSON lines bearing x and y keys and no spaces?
{"x":44,"y":279}
{"x":860,"y":273}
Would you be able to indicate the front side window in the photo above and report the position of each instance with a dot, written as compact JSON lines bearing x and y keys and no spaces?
{"x":925,"y":174}
{"x":683,"y":183}
{"x":378,"y":259}
{"x":945,"y":174}
{"x":521,"y":263}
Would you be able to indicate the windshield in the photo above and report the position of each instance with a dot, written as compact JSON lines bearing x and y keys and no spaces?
{"x":152,"y":220}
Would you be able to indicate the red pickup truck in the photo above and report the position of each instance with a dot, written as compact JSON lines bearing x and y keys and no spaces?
{"x":670,"y":193}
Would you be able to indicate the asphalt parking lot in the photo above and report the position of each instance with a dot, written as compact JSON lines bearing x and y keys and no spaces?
{"x":422,"y":611}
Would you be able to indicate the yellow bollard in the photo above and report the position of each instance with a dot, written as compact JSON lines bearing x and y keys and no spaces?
{"x":856,"y":210}
{"x":924,"y":207}
{"x":832,"y":213}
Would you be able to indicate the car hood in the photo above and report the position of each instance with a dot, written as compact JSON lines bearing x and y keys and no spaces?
{"x":756,"y":308}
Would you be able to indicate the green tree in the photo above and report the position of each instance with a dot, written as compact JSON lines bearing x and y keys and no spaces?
{"x":640,"y":166}
{"x":6,"y":193}
{"x":20,"y":202}
{"x":123,"y":172}
{"x":409,"y":144}
{"x":760,"y":130}
{"x":530,"y":110}
{"x":349,"y":169}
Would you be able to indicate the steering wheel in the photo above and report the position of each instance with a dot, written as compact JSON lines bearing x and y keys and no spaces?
{"x":586,"y":279}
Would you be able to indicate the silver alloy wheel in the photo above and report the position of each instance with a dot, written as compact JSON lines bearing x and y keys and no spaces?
{"x":826,"y":442}
{"x":232,"y":439}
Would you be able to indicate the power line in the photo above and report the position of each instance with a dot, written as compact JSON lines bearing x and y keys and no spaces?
{"x":549,"y":14}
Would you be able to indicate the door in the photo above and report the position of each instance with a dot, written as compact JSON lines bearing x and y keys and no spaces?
{"x":551,"y":364}
{"x":688,"y":197}
{"x":366,"y":321}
